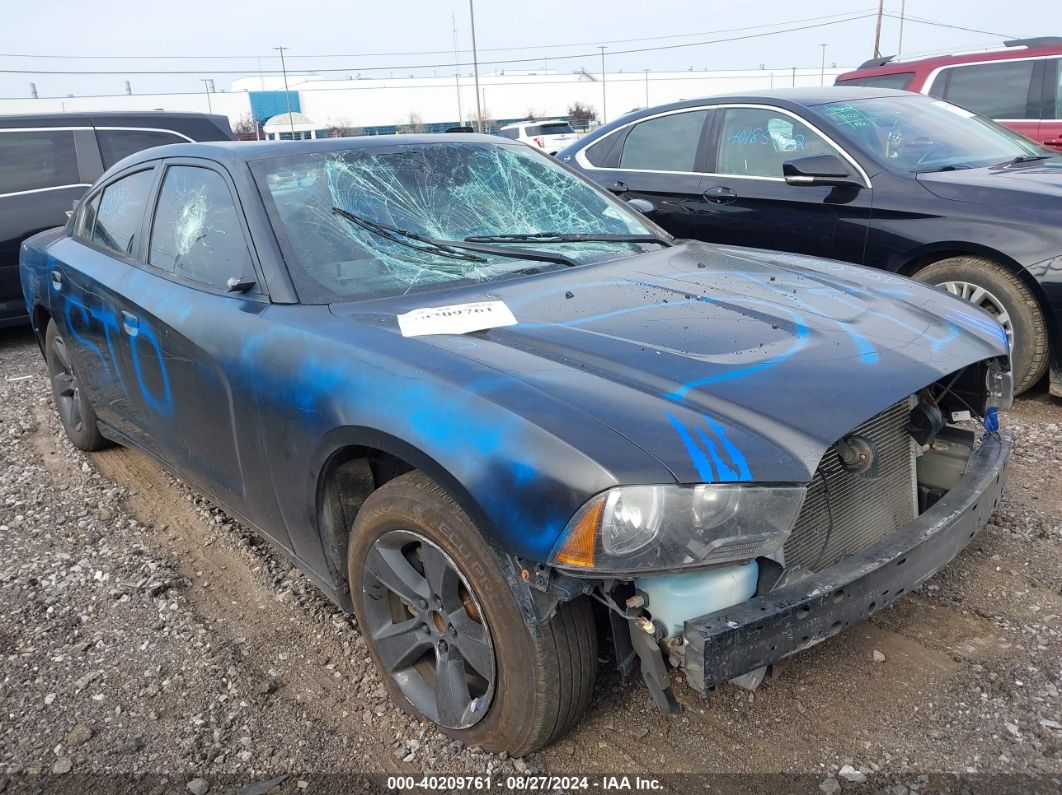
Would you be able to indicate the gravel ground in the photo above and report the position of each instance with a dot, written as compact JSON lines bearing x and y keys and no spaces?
{"x":145,"y":634}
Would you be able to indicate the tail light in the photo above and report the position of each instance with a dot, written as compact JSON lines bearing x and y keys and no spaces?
{"x":539,"y":142}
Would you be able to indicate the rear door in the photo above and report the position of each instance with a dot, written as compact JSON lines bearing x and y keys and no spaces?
{"x":1009,"y":91}
{"x":186,"y":331}
{"x":749,"y":203}
{"x":89,"y":273}
{"x":658,"y":159}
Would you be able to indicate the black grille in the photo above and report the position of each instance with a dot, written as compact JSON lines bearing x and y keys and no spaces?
{"x":849,"y":512}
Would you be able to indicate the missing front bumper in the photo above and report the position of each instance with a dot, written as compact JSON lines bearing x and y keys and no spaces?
{"x":726,"y":644}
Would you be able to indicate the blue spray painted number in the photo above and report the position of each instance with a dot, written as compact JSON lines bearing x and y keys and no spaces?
{"x":110,"y":326}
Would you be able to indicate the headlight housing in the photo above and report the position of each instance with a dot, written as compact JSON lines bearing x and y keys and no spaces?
{"x":639,"y":529}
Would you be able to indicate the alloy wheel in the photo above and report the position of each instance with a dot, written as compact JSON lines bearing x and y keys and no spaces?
{"x":65,"y":384}
{"x":428,"y":629}
{"x":976,"y":294}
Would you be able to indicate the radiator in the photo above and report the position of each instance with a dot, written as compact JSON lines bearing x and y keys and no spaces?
{"x":844,"y":512}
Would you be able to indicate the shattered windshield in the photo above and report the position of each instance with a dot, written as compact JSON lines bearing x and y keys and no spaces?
{"x":354,"y":221}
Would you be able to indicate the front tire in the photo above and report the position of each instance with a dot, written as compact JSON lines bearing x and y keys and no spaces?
{"x":75,"y":411}
{"x":1004,"y":295}
{"x":446,"y":632}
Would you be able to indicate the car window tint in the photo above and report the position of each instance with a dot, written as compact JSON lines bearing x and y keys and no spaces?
{"x":197,"y":232}
{"x":562,"y":128}
{"x":597,"y":154}
{"x":898,"y":80}
{"x":997,"y":90}
{"x":512,"y":134}
{"x":121,"y":211}
{"x":666,"y":143}
{"x":38,"y":159}
{"x":756,"y":141}
{"x":116,"y":144}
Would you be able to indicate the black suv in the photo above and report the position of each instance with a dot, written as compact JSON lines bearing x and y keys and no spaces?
{"x":49,"y":161}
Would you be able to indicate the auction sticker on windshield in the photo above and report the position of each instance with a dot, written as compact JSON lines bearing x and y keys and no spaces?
{"x":456,"y":319}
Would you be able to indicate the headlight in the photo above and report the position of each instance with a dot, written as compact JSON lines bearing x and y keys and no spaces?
{"x":637,"y":529}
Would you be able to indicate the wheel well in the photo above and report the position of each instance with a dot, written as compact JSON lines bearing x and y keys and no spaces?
{"x":349,"y":476}
{"x":41,"y":318}
{"x":916,"y":264}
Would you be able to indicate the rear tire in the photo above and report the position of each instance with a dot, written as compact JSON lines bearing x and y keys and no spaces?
{"x":541,"y":676}
{"x":75,"y":412}
{"x":1000,"y":291}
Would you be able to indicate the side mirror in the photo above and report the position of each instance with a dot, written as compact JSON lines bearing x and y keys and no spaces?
{"x":238,"y":285}
{"x":819,"y":170}
{"x":643,"y":206}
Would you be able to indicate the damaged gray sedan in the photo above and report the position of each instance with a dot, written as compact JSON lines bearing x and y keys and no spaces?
{"x":500,"y":415}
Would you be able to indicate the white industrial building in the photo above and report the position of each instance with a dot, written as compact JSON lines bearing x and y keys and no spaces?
{"x":385,"y":104}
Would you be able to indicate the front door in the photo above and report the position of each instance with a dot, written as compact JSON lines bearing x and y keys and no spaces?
{"x":748,"y":202}
{"x":185,"y":330}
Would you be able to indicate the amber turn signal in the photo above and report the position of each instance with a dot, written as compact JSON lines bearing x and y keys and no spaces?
{"x":580,"y":547}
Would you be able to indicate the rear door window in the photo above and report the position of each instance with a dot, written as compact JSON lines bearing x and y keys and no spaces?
{"x":550,"y":129}
{"x":37,"y":159}
{"x":197,"y":232}
{"x":116,"y":144}
{"x":666,"y":143}
{"x":120,"y":213}
{"x":998,"y":90}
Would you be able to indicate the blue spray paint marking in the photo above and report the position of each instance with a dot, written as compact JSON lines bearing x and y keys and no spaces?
{"x":711,"y":467}
{"x":802,"y":334}
{"x":162,"y":404}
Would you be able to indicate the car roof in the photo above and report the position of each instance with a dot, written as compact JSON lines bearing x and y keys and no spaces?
{"x":230,"y":152}
{"x":526,"y":122}
{"x":1041,"y":47}
{"x":135,"y":118}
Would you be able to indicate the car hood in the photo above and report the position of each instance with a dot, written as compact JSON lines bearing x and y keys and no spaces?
{"x":722,"y":363}
{"x":1014,"y":186}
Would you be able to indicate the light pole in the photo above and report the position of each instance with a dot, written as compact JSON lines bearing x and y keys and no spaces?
{"x":287,"y":96}
{"x":647,"y":88}
{"x":899,"y":44}
{"x":206,"y":87}
{"x":877,"y":30}
{"x":822,"y":70}
{"x":457,"y":71}
{"x":604,"y":110}
{"x":475,"y":65}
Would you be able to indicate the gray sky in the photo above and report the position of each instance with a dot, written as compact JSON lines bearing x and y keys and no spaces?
{"x":383,"y":32}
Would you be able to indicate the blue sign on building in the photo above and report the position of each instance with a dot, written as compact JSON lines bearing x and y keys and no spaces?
{"x":267,"y":104}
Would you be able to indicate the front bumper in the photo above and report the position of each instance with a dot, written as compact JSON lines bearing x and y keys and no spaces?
{"x":743,"y":638}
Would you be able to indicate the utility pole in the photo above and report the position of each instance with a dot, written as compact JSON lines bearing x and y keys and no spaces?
{"x":604,"y":110}
{"x":899,"y":45}
{"x":206,"y":87}
{"x":287,"y":94}
{"x":647,"y":88}
{"x":822,"y":70}
{"x":877,"y":29}
{"x":457,"y":72}
{"x":475,"y":66}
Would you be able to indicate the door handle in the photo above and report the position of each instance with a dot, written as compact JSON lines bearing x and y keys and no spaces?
{"x":57,"y":280}
{"x":1053,"y":142}
{"x":619,"y":187}
{"x":131,"y":323}
{"x":720,"y":194}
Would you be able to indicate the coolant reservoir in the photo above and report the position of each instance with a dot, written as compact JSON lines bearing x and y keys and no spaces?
{"x":674,"y":598}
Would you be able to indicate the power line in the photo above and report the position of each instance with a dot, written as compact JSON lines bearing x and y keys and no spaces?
{"x":308,"y":70}
{"x":433,"y":52}
{"x":937,"y":24}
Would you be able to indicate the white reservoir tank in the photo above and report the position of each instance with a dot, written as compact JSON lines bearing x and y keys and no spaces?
{"x":674,"y":598}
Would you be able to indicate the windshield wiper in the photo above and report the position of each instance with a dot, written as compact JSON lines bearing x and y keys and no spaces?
{"x":1026,"y":159}
{"x":568,"y":237}
{"x":454,"y":249}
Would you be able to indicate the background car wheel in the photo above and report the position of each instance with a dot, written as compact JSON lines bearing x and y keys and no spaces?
{"x":446,"y":632}
{"x":75,"y":412}
{"x":1003,"y":294}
